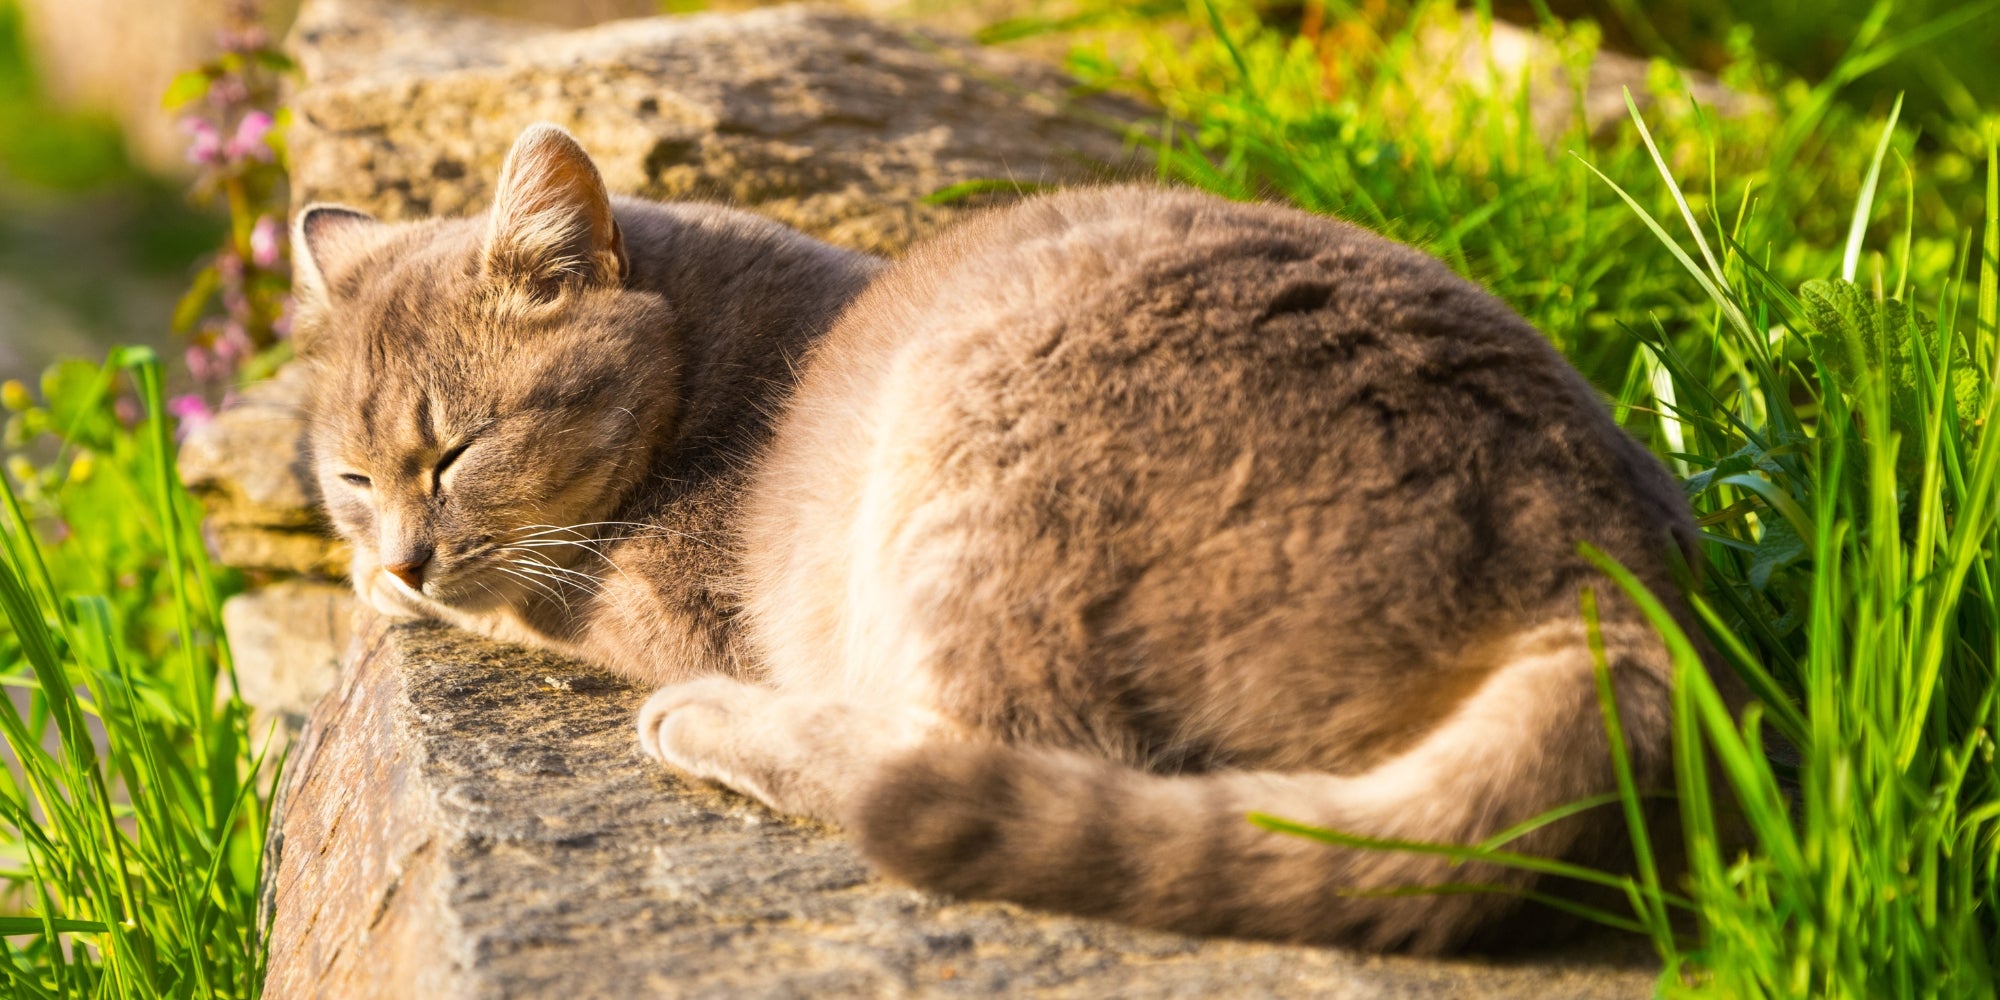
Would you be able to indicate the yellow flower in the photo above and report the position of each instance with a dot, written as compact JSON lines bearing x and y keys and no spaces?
{"x":15,"y":396}
{"x":81,"y":467}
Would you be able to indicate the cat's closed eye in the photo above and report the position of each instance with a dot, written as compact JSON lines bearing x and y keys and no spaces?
{"x":356,"y":479}
{"x":437,"y":471}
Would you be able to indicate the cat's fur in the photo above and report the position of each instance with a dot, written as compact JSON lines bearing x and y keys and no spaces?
{"x":1035,"y":560}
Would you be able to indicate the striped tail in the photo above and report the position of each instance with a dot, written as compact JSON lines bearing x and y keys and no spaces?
{"x":1081,"y":834}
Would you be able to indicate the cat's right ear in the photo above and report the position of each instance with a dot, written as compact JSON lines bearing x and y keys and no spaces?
{"x":322,"y":237}
{"x":551,"y":219}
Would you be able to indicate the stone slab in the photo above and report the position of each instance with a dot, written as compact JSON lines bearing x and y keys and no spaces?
{"x":836,"y":124}
{"x":468,"y":819}
{"x":286,"y":641}
{"x":246,"y":469}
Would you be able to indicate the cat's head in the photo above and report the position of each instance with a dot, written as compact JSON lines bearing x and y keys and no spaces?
{"x":483,"y":389}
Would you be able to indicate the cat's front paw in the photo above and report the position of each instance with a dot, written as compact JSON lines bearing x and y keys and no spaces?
{"x":378,"y":591}
{"x":389,"y":601}
{"x":701,"y":729}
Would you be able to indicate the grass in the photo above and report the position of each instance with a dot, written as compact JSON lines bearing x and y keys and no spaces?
{"x":1796,"y":308}
{"x":132,"y":816}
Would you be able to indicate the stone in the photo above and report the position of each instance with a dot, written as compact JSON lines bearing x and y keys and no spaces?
{"x":286,"y":642}
{"x":838,"y":125}
{"x":463,"y":819}
{"x":245,"y":468}
{"x":1500,"y":61}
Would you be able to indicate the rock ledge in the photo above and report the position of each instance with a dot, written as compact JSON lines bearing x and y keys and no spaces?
{"x":466,"y":819}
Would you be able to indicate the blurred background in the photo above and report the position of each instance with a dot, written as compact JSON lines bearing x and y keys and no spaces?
{"x":98,"y":237}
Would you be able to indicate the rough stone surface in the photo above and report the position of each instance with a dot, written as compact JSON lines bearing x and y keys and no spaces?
{"x":244,"y":466}
{"x":836,"y":124}
{"x":465,"y":819}
{"x":286,"y":641}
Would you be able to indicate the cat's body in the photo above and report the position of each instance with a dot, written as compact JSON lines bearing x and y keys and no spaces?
{"x":1087,"y":529}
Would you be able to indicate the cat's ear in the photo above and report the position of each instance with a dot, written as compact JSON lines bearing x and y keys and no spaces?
{"x":551,"y":219}
{"x":322,"y":237}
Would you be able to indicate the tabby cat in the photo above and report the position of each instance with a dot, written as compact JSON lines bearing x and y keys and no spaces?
{"x":1035,"y":560}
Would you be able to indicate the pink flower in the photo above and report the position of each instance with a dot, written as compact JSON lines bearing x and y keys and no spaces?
{"x":126,"y":409}
{"x":248,"y":39}
{"x":59,"y":532}
{"x":248,"y":142}
{"x":199,"y":363}
{"x":191,"y":410}
{"x":233,"y":345}
{"x":282,"y":326}
{"x":265,"y":242}
{"x":205,"y":144}
{"x":227,"y":91}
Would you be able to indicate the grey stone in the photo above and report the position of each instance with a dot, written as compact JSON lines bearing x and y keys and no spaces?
{"x":244,"y":467}
{"x":286,"y":641}
{"x":466,"y":819}
{"x":836,"y":124}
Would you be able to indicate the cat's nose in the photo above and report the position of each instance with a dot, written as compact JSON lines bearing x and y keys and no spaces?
{"x":411,"y":569}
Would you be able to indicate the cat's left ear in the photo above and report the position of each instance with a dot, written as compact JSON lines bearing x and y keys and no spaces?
{"x":324,"y":236}
{"x":551,"y":219}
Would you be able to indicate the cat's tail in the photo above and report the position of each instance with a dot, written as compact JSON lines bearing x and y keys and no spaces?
{"x":1078,"y":833}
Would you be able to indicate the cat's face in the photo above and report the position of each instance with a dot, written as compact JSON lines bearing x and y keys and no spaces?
{"x":484,"y":390}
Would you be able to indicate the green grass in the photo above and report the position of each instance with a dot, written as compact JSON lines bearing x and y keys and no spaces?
{"x":133,"y":815}
{"x":1797,"y":309}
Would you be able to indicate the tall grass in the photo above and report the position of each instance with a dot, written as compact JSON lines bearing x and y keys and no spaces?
{"x":132,"y":814}
{"x":1797,"y":309}
{"x":1859,"y":432}
{"x":1377,"y":119}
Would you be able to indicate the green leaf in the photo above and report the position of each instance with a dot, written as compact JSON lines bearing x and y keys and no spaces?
{"x":1779,"y":547}
{"x":37,"y":925}
{"x":983,"y":185}
{"x":188,"y":311}
{"x":185,"y":89}
{"x":1871,"y":345}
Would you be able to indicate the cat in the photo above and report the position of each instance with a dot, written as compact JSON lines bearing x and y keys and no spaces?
{"x":1035,"y":560}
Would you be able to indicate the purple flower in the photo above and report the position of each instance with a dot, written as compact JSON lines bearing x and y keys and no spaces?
{"x":205,"y":143}
{"x":233,"y":345}
{"x":228,"y":90}
{"x":191,"y":410}
{"x":248,"y":142}
{"x":265,"y":242}
{"x":248,"y":39}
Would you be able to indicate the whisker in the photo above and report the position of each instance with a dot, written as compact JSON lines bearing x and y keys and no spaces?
{"x":525,"y":551}
{"x":588,"y":583}
{"x":540,"y":585}
{"x":531,"y":532}
{"x":540,"y":564}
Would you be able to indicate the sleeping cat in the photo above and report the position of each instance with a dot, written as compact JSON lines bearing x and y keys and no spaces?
{"x":1035,"y":560}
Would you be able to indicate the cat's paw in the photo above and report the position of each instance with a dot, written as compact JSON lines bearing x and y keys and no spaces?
{"x":386,"y":596}
{"x":798,"y":754}
{"x":706,"y":728}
